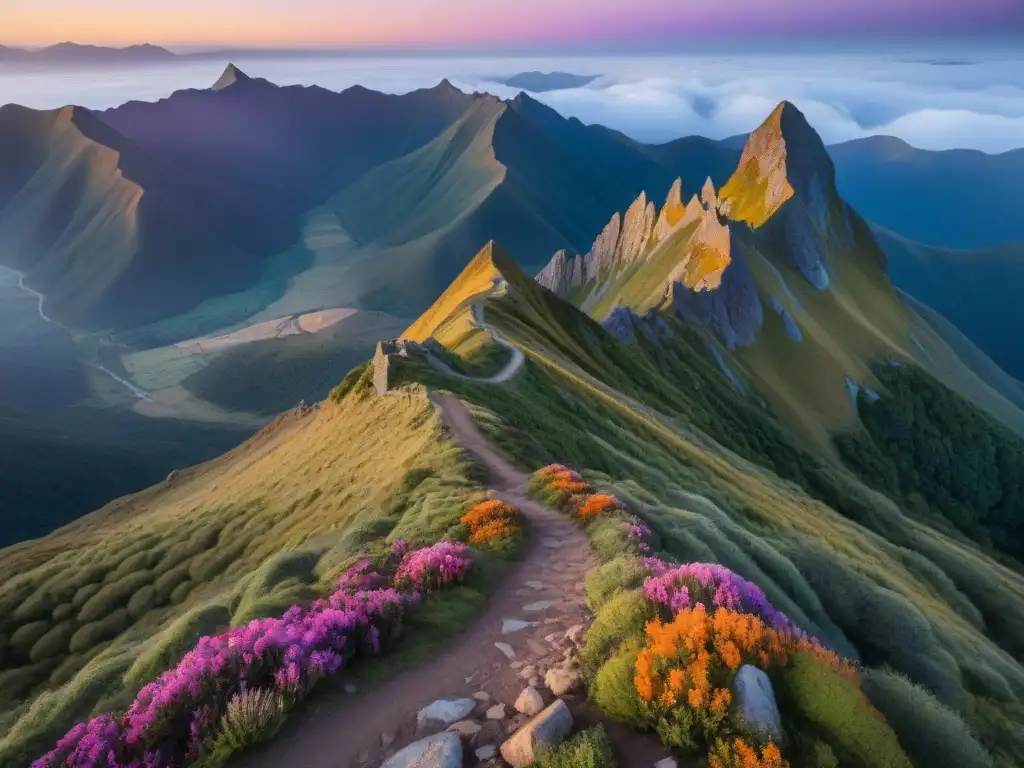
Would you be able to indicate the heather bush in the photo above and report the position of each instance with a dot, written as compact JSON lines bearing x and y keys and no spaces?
{"x":251,"y":717}
{"x":930,"y":733}
{"x":167,"y":648}
{"x":112,"y":596}
{"x":493,"y":524}
{"x":180,"y":714}
{"x":831,"y":706}
{"x":53,"y":643}
{"x":182,"y":591}
{"x":586,"y":749}
{"x":92,"y":634}
{"x":40,"y":605}
{"x":143,"y":601}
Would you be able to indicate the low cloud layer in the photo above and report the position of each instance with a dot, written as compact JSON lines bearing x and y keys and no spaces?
{"x":933,"y":100}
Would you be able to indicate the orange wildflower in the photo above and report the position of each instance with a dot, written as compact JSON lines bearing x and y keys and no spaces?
{"x":598,"y":504}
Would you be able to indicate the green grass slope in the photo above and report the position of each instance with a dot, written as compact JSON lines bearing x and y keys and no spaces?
{"x":720,"y":478}
{"x":96,"y":609}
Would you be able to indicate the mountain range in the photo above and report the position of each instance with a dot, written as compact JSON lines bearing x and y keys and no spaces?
{"x":75,"y":53}
{"x":721,"y":351}
{"x":183,"y":248}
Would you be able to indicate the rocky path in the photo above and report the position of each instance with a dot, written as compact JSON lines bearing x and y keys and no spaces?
{"x":508,"y":370}
{"x":521,"y":634}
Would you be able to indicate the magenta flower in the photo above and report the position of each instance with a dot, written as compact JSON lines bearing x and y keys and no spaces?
{"x":174,"y":716}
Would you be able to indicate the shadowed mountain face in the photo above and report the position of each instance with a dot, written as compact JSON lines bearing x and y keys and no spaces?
{"x":138,"y":214}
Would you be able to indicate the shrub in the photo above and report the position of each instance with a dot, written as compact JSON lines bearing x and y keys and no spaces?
{"x":112,"y":596}
{"x":143,"y":601}
{"x":684,"y":672}
{"x":427,"y":570}
{"x":492,"y":523}
{"x":252,"y":716}
{"x":27,"y":635}
{"x":737,"y":753}
{"x":63,"y":612}
{"x":604,"y":582}
{"x":96,"y":632}
{"x":613,"y":690}
{"x":83,"y":594}
{"x":621,"y":619}
{"x":586,"y":749}
{"x":833,"y":708}
{"x":53,"y":643}
{"x":931,"y":733}
{"x":598,"y":504}
{"x":182,"y":591}
{"x":169,"y":646}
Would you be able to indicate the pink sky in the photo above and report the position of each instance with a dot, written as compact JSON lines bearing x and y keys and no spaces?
{"x":478,"y":23}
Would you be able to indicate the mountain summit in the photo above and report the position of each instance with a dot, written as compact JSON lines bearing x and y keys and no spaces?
{"x":229,"y":77}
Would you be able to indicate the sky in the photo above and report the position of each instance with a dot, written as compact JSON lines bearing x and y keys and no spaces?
{"x":483,"y":23}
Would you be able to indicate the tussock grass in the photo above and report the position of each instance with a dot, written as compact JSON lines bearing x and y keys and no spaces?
{"x":110,"y":601}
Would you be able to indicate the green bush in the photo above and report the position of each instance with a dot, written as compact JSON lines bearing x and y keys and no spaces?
{"x":83,"y":594}
{"x":63,"y":612}
{"x":613,"y":691}
{"x":604,"y":582}
{"x":27,"y":635}
{"x":167,"y":648}
{"x":349,"y":382}
{"x":112,"y":596}
{"x":252,"y":717}
{"x":167,"y":581}
{"x":931,"y":733}
{"x":621,"y":619}
{"x":823,"y":703}
{"x":181,"y":592}
{"x":53,"y":643}
{"x":96,"y":632}
{"x":143,"y":601}
{"x":586,"y":749}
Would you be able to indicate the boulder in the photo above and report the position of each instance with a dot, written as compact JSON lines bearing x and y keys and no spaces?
{"x":560,"y":681}
{"x":442,"y":750}
{"x":667,"y":762}
{"x":755,"y":700}
{"x":550,"y":727}
{"x":529,"y":702}
{"x":444,"y":712}
{"x":497,"y":712}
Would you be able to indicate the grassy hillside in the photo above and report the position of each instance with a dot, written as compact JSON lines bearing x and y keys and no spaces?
{"x":97,"y":608}
{"x":721,"y":479}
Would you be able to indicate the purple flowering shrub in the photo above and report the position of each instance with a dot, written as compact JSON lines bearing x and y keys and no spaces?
{"x":639,"y":534}
{"x":174,"y":719}
{"x":680,"y":587}
{"x":429,"y":569}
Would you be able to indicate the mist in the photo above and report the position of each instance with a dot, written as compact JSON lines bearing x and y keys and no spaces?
{"x":941,"y":99}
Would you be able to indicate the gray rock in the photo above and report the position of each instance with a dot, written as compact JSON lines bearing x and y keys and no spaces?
{"x":560,"y":681}
{"x":575,"y":634}
{"x":487,"y":752}
{"x":539,"y":605}
{"x":549,"y":727}
{"x":497,"y":712}
{"x":442,"y":750}
{"x":529,"y":702}
{"x":444,"y":712}
{"x":528,"y":671}
{"x":482,"y":696}
{"x":508,"y":626}
{"x":351,"y":689}
{"x":755,"y":700}
{"x":667,"y":762}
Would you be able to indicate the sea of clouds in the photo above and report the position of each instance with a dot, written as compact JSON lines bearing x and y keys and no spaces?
{"x":940,"y":99}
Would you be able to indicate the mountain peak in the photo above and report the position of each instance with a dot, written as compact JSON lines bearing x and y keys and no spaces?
{"x":231,"y":75}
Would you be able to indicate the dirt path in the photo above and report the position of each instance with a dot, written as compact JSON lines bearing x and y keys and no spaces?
{"x":507,"y":372}
{"x":542,"y":596}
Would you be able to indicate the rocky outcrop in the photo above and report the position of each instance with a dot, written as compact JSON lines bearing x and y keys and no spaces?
{"x":383,"y":357}
{"x":563,"y":273}
{"x":710,"y":248}
{"x":671,"y":213}
{"x":732,"y":311}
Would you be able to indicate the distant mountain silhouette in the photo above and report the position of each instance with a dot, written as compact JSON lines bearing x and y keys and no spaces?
{"x":74,"y":53}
